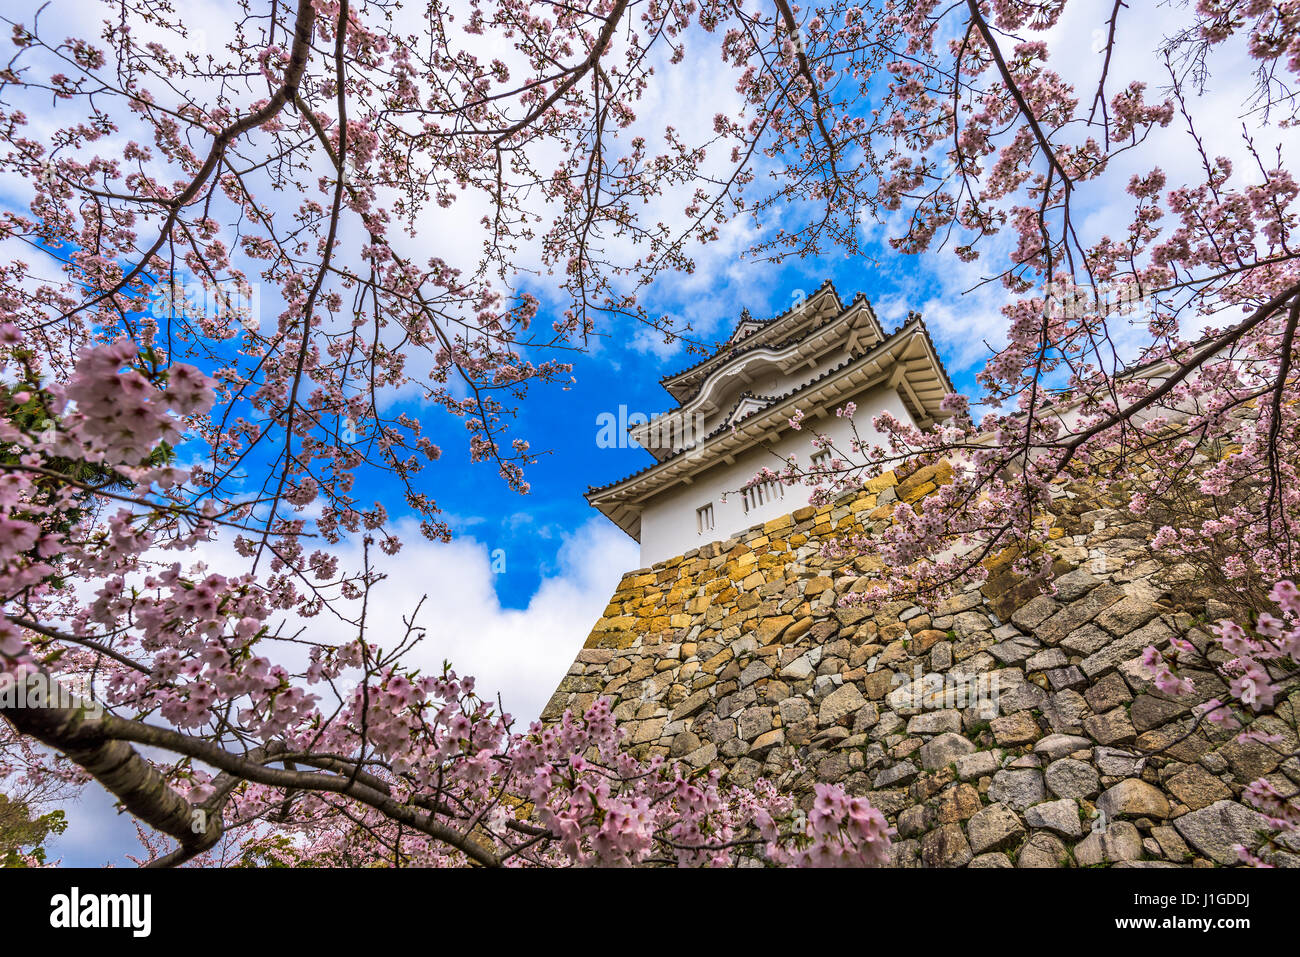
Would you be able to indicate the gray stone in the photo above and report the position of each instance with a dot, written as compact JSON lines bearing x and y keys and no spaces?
{"x":994,"y":828}
{"x":1021,"y":697}
{"x":1115,"y":763}
{"x":1086,"y":640}
{"x":1034,"y":611}
{"x":1135,"y":674}
{"x":1214,"y":830}
{"x":1113,"y":727}
{"x":1060,"y":816}
{"x":799,"y":669}
{"x":691,"y":705}
{"x":1121,"y":649}
{"x":1109,"y":692}
{"x":866,"y":718}
{"x":1046,"y":660}
{"x":1014,"y":649}
{"x":846,"y":700}
{"x":1253,"y":759}
{"x":1003,"y":632}
{"x":1149,"y":711}
{"x":977,"y":765}
{"x":1043,"y":849}
{"x":1145,"y":864}
{"x":1018,"y":788}
{"x":1015,"y":729}
{"x":1077,"y":614}
{"x":703,"y":756}
{"x":935,"y":722}
{"x":1197,"y":788}
{"x":1117,"y":841}
{"x":753,"y":672}
{"x":1075,"y":584}
{"x":683,"y":744}
{"x":831,"y":737}
{"x":1127,"y":615}
{"x":1171,"y":845}
{"x":1065,"y":712}
{"x":944,"y":750}
{"x":1068,"y":678}
{"x":1068,"y":778}
{"x":968,"y":623}
{"x":991,"y":859}
{"x":833,"y":767}
{"x":1056,"y":746}
{"x":1133,"y":797}
{"x":901,"y":773}
{"x":795,"y":710}
{"x":946,"y":846}
{"x":754,"y":721}
{"x":912,"y":821}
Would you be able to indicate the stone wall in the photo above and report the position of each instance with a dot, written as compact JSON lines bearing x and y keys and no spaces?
{"x":1002,"y":728}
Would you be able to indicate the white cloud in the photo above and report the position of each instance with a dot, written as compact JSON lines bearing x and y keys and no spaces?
{"x":520,"y":653}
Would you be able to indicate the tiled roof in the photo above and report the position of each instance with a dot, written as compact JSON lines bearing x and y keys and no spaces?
{"x":592,"y":489}
{"x":732,"y":351}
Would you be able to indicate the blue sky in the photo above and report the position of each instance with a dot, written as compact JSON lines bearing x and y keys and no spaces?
{"x":529,"y":528}
{"x":562,"y":558}
{"x":519,"y":629}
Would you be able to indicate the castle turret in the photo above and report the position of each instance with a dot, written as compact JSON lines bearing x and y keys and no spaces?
{"x":733,"y":413}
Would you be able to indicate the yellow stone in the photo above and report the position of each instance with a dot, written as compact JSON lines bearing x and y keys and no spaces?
{"x":798,"y":629}
{"x":717,"y":661}
{"x":880,"y":484}
{"x":611,"y":639}
{"x":776,"y":524}
{"x":772,"y":628}
{"x":817,"y":585}
{"x":918,"y":492}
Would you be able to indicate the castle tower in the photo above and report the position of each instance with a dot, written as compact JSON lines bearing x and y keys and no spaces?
{"x":733,"y":412}
{"x":999,"y":727}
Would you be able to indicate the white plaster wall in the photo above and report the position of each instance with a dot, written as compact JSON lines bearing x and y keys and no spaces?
{"x":668,"y":525}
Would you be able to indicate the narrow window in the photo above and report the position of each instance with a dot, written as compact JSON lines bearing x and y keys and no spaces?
{"x":761,"y":494}
{"x":704,"y":518}
{"x":821,"y":460}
